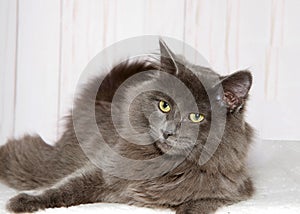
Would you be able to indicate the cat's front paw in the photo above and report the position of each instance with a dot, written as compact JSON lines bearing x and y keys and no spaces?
{"x":23,"y":203}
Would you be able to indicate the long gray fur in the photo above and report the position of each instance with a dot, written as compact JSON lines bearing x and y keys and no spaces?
{"x":66,"y":174}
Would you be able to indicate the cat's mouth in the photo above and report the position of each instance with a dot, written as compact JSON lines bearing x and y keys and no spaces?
{"x":176,"y":145}
{"x":163,"y":146}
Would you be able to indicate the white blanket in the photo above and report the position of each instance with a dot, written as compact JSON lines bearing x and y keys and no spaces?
{"x":275,"y":167}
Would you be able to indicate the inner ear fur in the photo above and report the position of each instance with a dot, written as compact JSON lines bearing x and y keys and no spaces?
{"x":236,"y":88}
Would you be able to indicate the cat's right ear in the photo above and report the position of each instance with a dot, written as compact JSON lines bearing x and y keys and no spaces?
{"x":167,"y":58}
{"x":236,"y":88}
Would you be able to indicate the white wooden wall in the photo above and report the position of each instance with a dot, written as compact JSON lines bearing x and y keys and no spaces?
{"x":45,"y":45}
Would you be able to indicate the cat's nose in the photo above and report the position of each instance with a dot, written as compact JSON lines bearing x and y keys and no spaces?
{"x":167,"y":134}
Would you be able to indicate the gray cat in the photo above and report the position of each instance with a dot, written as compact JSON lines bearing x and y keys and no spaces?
{"x":157,"y":163}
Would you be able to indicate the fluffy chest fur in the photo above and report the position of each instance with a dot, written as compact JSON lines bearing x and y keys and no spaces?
{"x":183,"y":185}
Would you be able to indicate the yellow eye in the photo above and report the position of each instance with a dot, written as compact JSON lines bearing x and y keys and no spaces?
{"x":196,"y":118}
{"x":164,"y":106}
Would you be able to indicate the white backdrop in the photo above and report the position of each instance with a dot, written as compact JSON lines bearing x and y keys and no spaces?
{"x":45,"y":45}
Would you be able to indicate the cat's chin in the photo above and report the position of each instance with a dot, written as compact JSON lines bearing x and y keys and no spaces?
{"x":163,"y":146}
{"x":168,"y":149}
{"x":174,"y":150}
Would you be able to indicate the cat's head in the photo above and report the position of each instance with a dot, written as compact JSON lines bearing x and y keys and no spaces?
{"x":171,"y":107}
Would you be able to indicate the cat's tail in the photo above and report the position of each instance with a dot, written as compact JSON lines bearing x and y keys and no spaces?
{"x":30,"y":163}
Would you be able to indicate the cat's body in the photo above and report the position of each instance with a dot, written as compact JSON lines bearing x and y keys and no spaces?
{"x":66,"y":175}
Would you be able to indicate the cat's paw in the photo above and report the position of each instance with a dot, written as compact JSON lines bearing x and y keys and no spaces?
{"x":23,"y":203}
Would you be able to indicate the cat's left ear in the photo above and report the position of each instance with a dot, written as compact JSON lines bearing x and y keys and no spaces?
{"x":167,"y":58}
{"x":236,"y":88}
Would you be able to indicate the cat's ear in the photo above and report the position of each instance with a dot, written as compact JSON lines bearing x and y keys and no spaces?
{"x":236,"y":88}
{"x":167,"y":58}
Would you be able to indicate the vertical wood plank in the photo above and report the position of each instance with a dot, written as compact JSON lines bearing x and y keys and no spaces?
{"x":198,"y":26}
{"x":217,"y":35}
{"x":253,"y":39}
{"x":285,"y":105}
{"x":83,"y":27}
{"x":291,"y":24}
{"x":205,"y":29}
{"x":283,"y":76}
{"x":8,"y":35}
{"x":130,"y":17}
{"x":275,"y":43}
{"x":38,"y":68}
{"x":232,"y":35}
{"x":289,"y":50}
{"x":156,"y":14}
{"x":272,"y":60}
{"x":66,"y":60}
